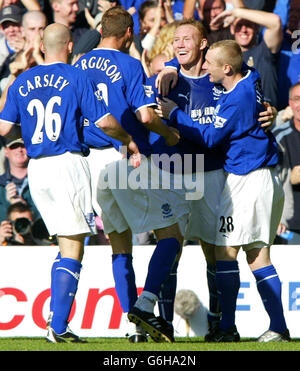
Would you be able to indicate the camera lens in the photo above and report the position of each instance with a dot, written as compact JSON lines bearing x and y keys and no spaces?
{"x":22,"y":226}
{"x":39,"y":230}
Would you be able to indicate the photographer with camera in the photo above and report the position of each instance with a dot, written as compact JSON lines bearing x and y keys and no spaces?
{"x":21,"y":229}
{"x":16,"y":230}
{"x":14,"y":183}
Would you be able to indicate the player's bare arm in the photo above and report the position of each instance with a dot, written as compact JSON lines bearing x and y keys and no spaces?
{"x":153,"y":123}
{"x":266,"y":117}
{"x":5,"y":128}
{"x":110,"y":126}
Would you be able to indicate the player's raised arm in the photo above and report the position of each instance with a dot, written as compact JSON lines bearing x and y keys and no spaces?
{"x":205,"y":135}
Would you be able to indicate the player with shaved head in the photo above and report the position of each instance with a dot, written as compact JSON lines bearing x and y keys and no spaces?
{"x":49,"y":101}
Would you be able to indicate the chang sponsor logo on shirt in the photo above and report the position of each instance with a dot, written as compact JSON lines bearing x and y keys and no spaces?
{"x":203,"y":115}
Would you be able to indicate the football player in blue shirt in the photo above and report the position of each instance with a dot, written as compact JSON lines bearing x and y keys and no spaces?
{"x":197,"y":96}
{"x":49,"y":101}
{"x":252,"y":200}
{"x":120,"y":79}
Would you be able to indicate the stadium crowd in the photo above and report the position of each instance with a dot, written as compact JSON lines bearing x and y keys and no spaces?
{"x":267,"y":33}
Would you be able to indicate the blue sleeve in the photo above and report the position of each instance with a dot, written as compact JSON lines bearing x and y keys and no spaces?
{"x":137,"y":94}
{"x":207,"y":135}
{"x":282,"y":8}
{"x":173,"y":63}
{"x":10,"y":111}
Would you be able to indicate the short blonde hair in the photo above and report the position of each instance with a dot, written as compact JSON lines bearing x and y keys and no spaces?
{"x":231,"y":54}
{"x":197,"y":24}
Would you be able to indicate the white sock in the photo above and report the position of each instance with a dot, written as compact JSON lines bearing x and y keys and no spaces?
{"x":146,"y":301}
{"x":132,"y":328}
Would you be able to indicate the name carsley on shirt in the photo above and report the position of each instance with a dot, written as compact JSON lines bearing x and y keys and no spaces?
{"x":37,"y":82}
{"x":102,"y":64}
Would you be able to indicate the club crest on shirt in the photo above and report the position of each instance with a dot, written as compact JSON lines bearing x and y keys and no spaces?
{"x":166,"y":210}
{"x":90,"y":219}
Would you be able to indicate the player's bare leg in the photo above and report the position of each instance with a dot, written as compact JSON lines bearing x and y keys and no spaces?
{"x":121,"y":243}
{"x":72,"y":247}
{"x":258,"y":258}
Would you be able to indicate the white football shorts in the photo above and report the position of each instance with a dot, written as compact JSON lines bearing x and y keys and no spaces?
{"x":61,"y":190}
{"x":128,"y":199}
{"x":250,"y":209}
{"x":203,"y":219}
{"x":97,"y":160}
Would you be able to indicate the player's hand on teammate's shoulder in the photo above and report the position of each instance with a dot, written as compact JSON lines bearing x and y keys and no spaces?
{"x":166,"y":80}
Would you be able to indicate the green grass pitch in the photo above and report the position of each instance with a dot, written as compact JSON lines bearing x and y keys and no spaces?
{"x":121,"y":344}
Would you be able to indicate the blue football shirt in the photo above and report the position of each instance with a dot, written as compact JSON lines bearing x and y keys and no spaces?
{"x":197,"y":97}
{"x":121,"y":84}
{"x":49,"y":101}
{"x":236,"y":129}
